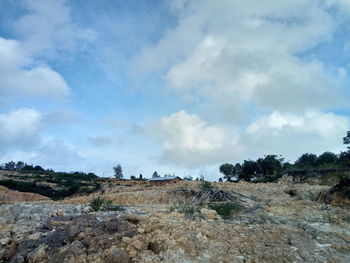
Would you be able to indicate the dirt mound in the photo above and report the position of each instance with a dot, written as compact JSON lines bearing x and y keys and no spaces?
{"x":7,"y":195}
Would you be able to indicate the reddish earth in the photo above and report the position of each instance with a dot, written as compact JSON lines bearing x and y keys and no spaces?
{"x":7,"y":195}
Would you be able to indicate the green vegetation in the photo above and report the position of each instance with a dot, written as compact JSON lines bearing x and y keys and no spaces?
{"x":68,"y":188}
{"x":206,"y":186}
{"x":271,"y":167}
{"x":100,"y":203}
{"x":226,"y":209}
{"x":55,"y":185}
{"x":118,"y":172}
{"x":97,"y":203}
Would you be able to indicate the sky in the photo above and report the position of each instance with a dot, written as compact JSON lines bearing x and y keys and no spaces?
{"x":173,"y":86}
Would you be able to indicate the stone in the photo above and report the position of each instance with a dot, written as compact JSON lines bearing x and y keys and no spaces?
{"x":38,"y":255}
{"x":86,"y":209}
{"x":5,"y":241}
{"x":118,"y":256}
{"x":210,"y":214}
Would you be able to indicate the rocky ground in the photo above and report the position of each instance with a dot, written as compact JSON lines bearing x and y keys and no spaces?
{"x":275,"y":223}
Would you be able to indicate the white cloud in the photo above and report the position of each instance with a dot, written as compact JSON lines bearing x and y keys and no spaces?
{"x":47,"y":28}
{"x":239,"y":54}
{"x":189,"y":141}
{"x":20,"y":75}
{"x":294,"y":134}
{"x":19,"y":129}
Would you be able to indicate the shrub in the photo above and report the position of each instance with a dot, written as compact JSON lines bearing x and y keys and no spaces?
{"x":225,"y":210}
{"x":100,"y":203}
{"x":206,"y":186}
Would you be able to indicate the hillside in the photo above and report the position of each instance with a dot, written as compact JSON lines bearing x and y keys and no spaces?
{"x":54,"y":185}
{"x":283,"y":222}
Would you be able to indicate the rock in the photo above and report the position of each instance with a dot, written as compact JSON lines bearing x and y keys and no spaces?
{"x":5,"y":241}
{"x":86,"y":209}
{"x":210,"y":214}
{"x":118,"y":256}
{"x":60,"y":213}
{"x":137,"y":244}
{"x":38,"y":255}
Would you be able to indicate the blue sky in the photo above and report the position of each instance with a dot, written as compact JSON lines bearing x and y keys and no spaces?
{"x":176,"y":86}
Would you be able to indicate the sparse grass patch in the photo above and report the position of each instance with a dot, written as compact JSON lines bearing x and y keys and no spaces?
{"x":188,"y":209}
{"x":225,"y":210}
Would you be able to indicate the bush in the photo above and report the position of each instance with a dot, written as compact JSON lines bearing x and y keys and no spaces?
{"x":206,"y":186}
{"x":100,"y":203}
{"x":225,"y":210}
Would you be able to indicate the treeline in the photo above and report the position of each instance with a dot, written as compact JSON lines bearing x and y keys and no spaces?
{"x":23,"y":167}
{"x":271,"y":167}
{"x":47,"y":182}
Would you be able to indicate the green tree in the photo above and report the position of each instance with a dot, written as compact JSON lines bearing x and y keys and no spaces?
{"x":118,"y":172}
{"x":10,"y":165}
{"x":346,"y":139}
{"x":344,"y":159}
{"x":327,"y":158}
{"x":227,"y":170}
{"x":249,"y":169}
{"x":155,"y":175}
{"x":269,"y":165}
{"x":306,"y":159}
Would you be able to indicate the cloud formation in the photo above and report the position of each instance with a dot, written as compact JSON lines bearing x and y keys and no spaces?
{"x":22,"y":75}
{"x":47,"y":29}
{"x":191,"y":142}
{"x":239,"y":54}
{"x":19,"y":129}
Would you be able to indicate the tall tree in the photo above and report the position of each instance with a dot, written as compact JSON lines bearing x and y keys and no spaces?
{"x":227,"y":170}
{"x":118,"y":172}
{"x":327,"y":158}
{"x":249,"y":169}
{"x":307,"y":159}
{"x":10,"y":165}
{"x":269,"y":165}
{"x":155,"y":175}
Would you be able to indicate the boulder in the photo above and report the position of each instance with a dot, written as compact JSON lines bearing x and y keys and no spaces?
{"x":210,"y":214}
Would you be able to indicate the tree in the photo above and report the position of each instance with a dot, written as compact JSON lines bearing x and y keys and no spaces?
{"x":155,"y":175}
{"x":327,"y":158}
{"x":38,"y":168}
{"x":344,"y":159}
{"x":118,"y":172}
{"x":269,"y":165}
{"x":220,"y":180}
{"x":20,"y":165}
{"x":249,"y":169}
{"x":227,"y":170}
{"x":307,"y":159}
{"x":238,"y":170}
{"x":346,"y":139}
{"x":10,"y":166}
